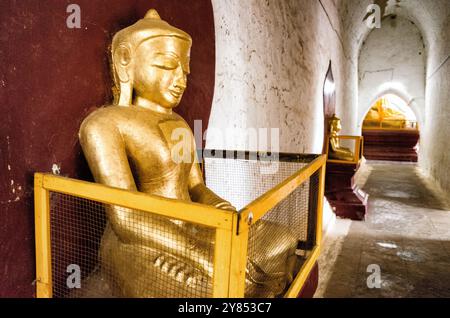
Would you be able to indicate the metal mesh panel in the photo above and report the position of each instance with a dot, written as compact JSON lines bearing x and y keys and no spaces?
{"x":287,"y":231}
{"x":134,"y":254}
{"x":240,"y":181}
{"x":348,"y":143}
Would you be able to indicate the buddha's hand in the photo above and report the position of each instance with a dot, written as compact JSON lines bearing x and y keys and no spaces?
{"x":202,"y":194}
{"x":225,"y":205}
{"x":347,"y":150}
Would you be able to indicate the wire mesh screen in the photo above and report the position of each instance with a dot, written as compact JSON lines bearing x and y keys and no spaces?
{"x":242,"y":180}
{"x":100,"y":250}
{"x":279,"y":242}
{"x":348,"y":143}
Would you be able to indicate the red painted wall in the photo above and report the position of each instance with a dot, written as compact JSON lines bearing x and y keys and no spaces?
{"x":51,"y":77}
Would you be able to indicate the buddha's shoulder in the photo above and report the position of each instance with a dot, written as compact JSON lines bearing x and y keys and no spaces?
{"x":110,"y":111}
{"x":106,"y":116}
{"x":110,"y":114}
{"x":114,"y":117}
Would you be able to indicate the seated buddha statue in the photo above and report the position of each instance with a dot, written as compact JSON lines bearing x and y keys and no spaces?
{"x":335,"y":150}
{"x":130,"y":145}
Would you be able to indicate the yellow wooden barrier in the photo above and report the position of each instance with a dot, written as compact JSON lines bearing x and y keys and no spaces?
{"x":231,"y":228}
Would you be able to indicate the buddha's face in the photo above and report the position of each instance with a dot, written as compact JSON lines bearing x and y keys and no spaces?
{"x":161,"y":69}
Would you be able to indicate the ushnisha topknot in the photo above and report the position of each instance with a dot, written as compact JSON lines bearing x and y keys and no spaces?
{"x":334,"y":118}
{"x":150,"y":26}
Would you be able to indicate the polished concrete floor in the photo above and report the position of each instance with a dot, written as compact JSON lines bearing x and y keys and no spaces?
{"x":406,"y":234}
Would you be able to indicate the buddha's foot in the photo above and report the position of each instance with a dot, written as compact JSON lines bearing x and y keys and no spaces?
{"x":180,"y":271}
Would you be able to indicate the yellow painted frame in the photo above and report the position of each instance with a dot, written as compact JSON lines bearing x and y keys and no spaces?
{"x":231,"y":228}
{"x":357,"y":151}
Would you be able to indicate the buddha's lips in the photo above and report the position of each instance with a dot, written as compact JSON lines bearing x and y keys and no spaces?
{"x":176,"y":94}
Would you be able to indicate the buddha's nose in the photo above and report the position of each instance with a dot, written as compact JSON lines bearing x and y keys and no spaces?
{"x":180,"y":81}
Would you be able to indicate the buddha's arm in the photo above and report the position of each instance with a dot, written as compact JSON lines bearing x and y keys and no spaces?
{"x":335,"y":148}
{"x":345,"y":151}
{"x":105,"y":152}
{"x":200,"y":193}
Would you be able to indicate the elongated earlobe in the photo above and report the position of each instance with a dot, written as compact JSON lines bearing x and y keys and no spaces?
{"x":122,"y":59}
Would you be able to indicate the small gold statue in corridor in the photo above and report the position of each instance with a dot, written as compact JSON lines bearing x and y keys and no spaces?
{"x":335,"y":150}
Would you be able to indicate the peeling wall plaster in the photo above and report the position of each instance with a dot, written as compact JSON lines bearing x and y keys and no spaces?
{"x":271,"y":61}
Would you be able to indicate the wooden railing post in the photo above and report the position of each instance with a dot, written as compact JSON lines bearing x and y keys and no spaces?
{"x":43,"y":243}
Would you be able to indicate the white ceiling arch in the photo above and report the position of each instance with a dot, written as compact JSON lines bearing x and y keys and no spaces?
{"x":401,"y":94}
{"x":392,"y":59}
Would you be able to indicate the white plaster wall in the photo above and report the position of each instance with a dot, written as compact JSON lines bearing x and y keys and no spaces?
{"x":271,"y":60}
{"x":434,"y":157}
{"x":272,"y":57}
{"x":433,"y":18}
{"x":393,"y":59}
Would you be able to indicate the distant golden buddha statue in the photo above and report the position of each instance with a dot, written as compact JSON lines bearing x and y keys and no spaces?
{"x":381,"y":115}
{"x":130,"y":145}
{"x":335,"y":150}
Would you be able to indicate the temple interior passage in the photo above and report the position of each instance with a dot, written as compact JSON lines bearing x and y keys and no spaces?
{"x":406,"y":233}
{"x":224,"y":148}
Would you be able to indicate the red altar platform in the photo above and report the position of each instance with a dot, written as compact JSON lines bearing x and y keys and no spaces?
{"x":346,"y":199}
{"x":341,"y":191}
{"x":390,"y":144}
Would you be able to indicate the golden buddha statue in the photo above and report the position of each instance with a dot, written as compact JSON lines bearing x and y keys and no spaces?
{"x":381,"y":115}
{"x":130,"y":144}
{"x":335,"y":151}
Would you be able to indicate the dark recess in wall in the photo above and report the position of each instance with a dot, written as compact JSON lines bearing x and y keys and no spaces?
{"x":329,"y":104}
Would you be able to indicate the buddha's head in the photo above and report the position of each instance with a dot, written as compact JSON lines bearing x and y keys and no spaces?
{"x":150,"y":60}
{"x":335,"y":124}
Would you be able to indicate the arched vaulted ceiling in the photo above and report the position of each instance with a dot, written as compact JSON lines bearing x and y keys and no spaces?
{"x":432,"y":17}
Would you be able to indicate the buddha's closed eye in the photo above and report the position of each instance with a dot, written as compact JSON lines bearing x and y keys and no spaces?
{"x":166,"y":63}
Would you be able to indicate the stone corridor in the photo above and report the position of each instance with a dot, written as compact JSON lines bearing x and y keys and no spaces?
{"x":406,"y":233}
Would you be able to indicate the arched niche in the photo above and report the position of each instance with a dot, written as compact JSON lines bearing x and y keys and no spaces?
{"x":399,"y":93}
{"x":395,"y":138}
{"x":329,"y":102}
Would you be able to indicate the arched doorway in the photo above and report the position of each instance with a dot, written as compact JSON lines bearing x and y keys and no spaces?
{"x":390,"y":130}
{"x":390,"y":111}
